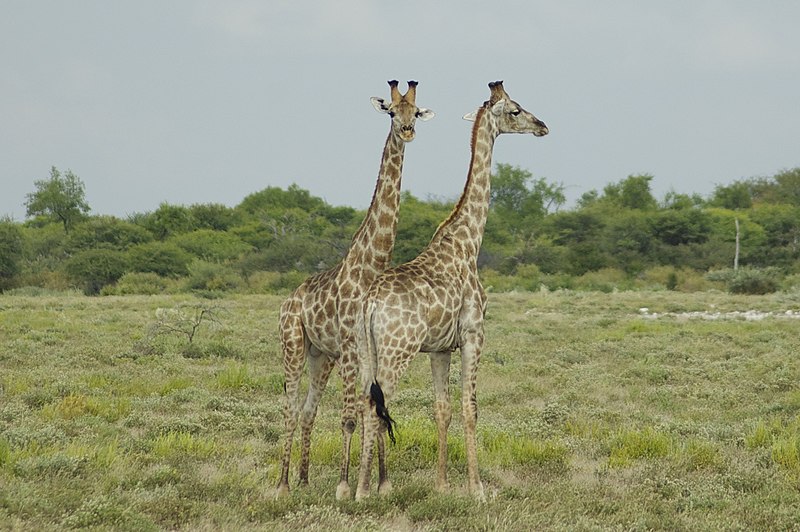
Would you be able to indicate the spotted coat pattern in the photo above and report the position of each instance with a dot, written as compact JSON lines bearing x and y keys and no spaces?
{"x":317,"y":321}
{"x":435,"y":303}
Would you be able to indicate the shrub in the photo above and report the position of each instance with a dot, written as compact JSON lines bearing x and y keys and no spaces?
{"x":495,"y":281}
{"x":680,"y":279}
{"x":527,"y":278}
{"x":46,"y":280}
{"x":212,"y":276}
{"x":11,"y":247}
{"x":145,"y":283}
{"x":95,"y":268}
{"x":38,"y":291}
{"x":163,"y":258}
{"x":672,"y":281}
{"x":212,"y":245}
{"x":791,"y":282}
{"x":275,"y":282}
{"x":558,"y":281}
{"x":530,"y":275}
{"x":107,"y":231}
{"x":603,"y":280}
{"x":751,"y":281}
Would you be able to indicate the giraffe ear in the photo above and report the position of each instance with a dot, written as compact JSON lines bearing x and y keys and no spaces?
{"x":379,"y":104}
{"x":471,"y":116}
{"x":425,"y":114}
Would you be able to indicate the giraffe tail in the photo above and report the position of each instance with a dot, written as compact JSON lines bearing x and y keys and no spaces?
{"x":369,"y":369}
{"x":376,"y":394}
{"x":368,"y":360}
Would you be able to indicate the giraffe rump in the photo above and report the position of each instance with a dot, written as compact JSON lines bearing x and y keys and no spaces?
{"x":376,"y":394}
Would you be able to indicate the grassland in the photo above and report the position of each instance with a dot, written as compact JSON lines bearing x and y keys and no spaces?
{"x":594,"y":414}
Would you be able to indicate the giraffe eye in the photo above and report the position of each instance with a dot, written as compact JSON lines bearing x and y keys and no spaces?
{"x":515,"y":112}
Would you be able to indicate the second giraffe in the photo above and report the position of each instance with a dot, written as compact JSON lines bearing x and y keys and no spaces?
{"x":435,"y":304}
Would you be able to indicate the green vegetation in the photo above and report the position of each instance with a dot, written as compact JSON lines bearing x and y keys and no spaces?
{"x":60,"y":199}
{"x":165,"y":412}
{"x":620,"y":238}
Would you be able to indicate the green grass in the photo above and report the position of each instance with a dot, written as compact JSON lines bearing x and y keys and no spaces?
{"x":591,"y":417}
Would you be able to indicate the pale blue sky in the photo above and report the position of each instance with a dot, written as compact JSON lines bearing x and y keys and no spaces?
{"x":209,"y":101}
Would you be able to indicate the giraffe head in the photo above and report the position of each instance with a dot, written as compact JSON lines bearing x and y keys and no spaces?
{"x":507,"y":114}
{"x":403,"y":110}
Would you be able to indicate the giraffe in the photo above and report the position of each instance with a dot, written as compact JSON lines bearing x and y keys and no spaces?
{"x":317,"y":320}
{"x":435,"y":303}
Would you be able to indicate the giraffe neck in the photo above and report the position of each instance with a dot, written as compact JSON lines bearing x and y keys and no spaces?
{"x":373,"y":242}
{"x":468,"y":217}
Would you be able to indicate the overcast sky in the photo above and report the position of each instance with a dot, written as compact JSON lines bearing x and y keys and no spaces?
{"x":209,"y":101}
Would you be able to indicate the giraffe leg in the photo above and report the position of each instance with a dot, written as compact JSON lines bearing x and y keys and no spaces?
{"x":470,"y":355}
{"x":319,"y":370}
{"x":384,"y":486}
{"x":349,"y":421}
{"x":293,"y":342}
{"x":442,"y":412}
{"x":369,"y":430}
{"x":373,"y":426}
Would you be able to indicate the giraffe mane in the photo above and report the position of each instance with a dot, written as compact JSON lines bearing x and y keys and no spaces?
{"x":472,"y":146}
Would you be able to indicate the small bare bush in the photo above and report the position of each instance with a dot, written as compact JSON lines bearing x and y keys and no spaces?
{"x":182,"y":321}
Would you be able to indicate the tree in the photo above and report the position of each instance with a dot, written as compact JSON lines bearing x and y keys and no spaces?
{"x":677,"y":201}
{"x":518,"y":204}
{"x":10,"y":252}
{"x":166,"y":221}
{"x":275,"y":199}
{"x":781,"y":223}
{"x":213,"y":216}
{"x":633,"y":192}
{"x":579,"y":233}
{"x":627,"y":240}
{"x":416,"y":224}
{"x":674,"y":227}
{"x":783,"y":187}
{"x":60,"y":198}
{"x":722,"y":238}
{"x":107,"y":231}
{"x":737,"y":195}
{"x":517,"y":196}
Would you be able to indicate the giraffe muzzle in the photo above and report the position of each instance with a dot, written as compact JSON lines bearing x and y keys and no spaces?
{"x":407,"y":133}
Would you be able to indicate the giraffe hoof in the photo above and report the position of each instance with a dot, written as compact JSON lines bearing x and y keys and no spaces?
{"x":282,"y":491}
{"x":443,"y":487}
{"x":385,"y":488}
{"x":342,"y":491}
{"x":361,"y":494}
{"x":477,"y":492}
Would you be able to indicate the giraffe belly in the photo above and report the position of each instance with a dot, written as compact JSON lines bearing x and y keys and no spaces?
{"x":440,"y":339}
{"x":324,"y":338}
